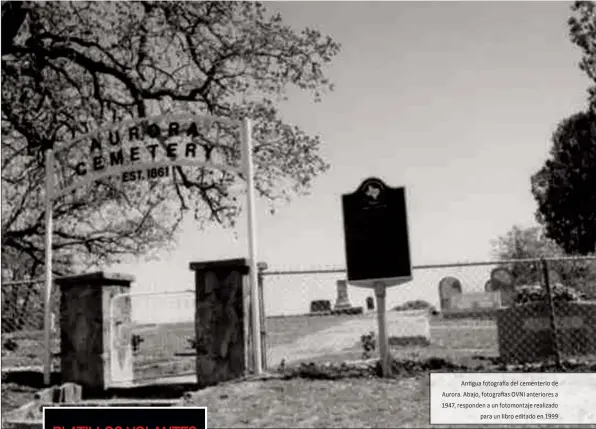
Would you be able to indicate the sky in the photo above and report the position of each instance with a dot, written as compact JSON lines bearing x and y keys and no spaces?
{"x":456,"y":101}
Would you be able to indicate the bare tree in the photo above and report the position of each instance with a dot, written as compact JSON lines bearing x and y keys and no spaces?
{"x":71,"y":67}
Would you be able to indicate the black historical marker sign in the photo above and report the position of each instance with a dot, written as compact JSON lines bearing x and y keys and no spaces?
{"x":376,"y":234}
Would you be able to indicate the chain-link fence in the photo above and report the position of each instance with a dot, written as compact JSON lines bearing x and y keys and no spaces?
{"x":470,"y":313}
{"x":23,"y":323}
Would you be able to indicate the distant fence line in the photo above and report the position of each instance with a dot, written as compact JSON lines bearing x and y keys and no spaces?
{"x":318,"y":283}
{"x":337,"y":269}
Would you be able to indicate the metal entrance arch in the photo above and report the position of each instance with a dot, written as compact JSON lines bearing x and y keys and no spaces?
{"x":52,"y":192}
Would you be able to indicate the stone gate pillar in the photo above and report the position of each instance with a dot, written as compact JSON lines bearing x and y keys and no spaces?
{"x":222,"y":320}
{"x":95,"y":345}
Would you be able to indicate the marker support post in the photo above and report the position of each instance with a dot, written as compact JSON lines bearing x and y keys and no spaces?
{"x":377,"y":246}
{"x":380,"y":293}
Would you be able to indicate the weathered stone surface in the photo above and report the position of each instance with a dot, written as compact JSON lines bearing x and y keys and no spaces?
{"x":222,"y":316}
{"x":343,"y":300}
{"x":86,"y":328}
{"x":120,"y":323}
{"x":262,"y":267}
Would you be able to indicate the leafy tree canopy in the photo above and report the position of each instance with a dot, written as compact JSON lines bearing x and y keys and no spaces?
{"x":69,"y":68}
{"x":565,"y":186}
{"x":525,"y":243}
{"x":532,"y":243}
{"x":582,"y":30}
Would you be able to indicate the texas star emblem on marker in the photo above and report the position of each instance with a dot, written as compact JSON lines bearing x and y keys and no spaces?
{"x":373,"y":192}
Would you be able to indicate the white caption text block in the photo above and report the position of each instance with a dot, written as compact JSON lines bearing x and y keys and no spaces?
{"x":513,"y":398}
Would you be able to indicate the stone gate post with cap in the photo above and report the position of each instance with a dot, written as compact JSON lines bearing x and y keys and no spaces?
{"x":222,"y":320}
{"x":95,"y":344}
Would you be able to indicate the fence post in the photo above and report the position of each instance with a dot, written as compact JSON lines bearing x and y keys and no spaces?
{"x":551,"y":314}
{"x":262,"y":266}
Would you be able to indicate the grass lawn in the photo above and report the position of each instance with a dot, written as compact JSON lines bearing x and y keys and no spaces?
{"x":316,"y":403}
{"x":285,"y":330}
{"x":356,"y":402}
{"x":166,"y":349}
{"x":465,"y":342}
{"x":29,"y":351}
{"x":15,"y":395}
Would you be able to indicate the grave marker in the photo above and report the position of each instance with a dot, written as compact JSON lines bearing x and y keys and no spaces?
{"x":501,"y":280}
{"x":448,"y":288}
{"x":343,"y":301}
{"x":476,"y":300}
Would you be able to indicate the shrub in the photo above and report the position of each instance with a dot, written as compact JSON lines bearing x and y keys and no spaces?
{"x":369,"y":344}
{"x":367,"y":369}
{"x":10,"y":345}
{"x":136,"y":341}
{"x":320,"y":305}
{"x":418,"y":304}
{"x":536,"y":293}
{"x":330,"y":370}
{"x":414,"y":367}
{"x":417,"y":340}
